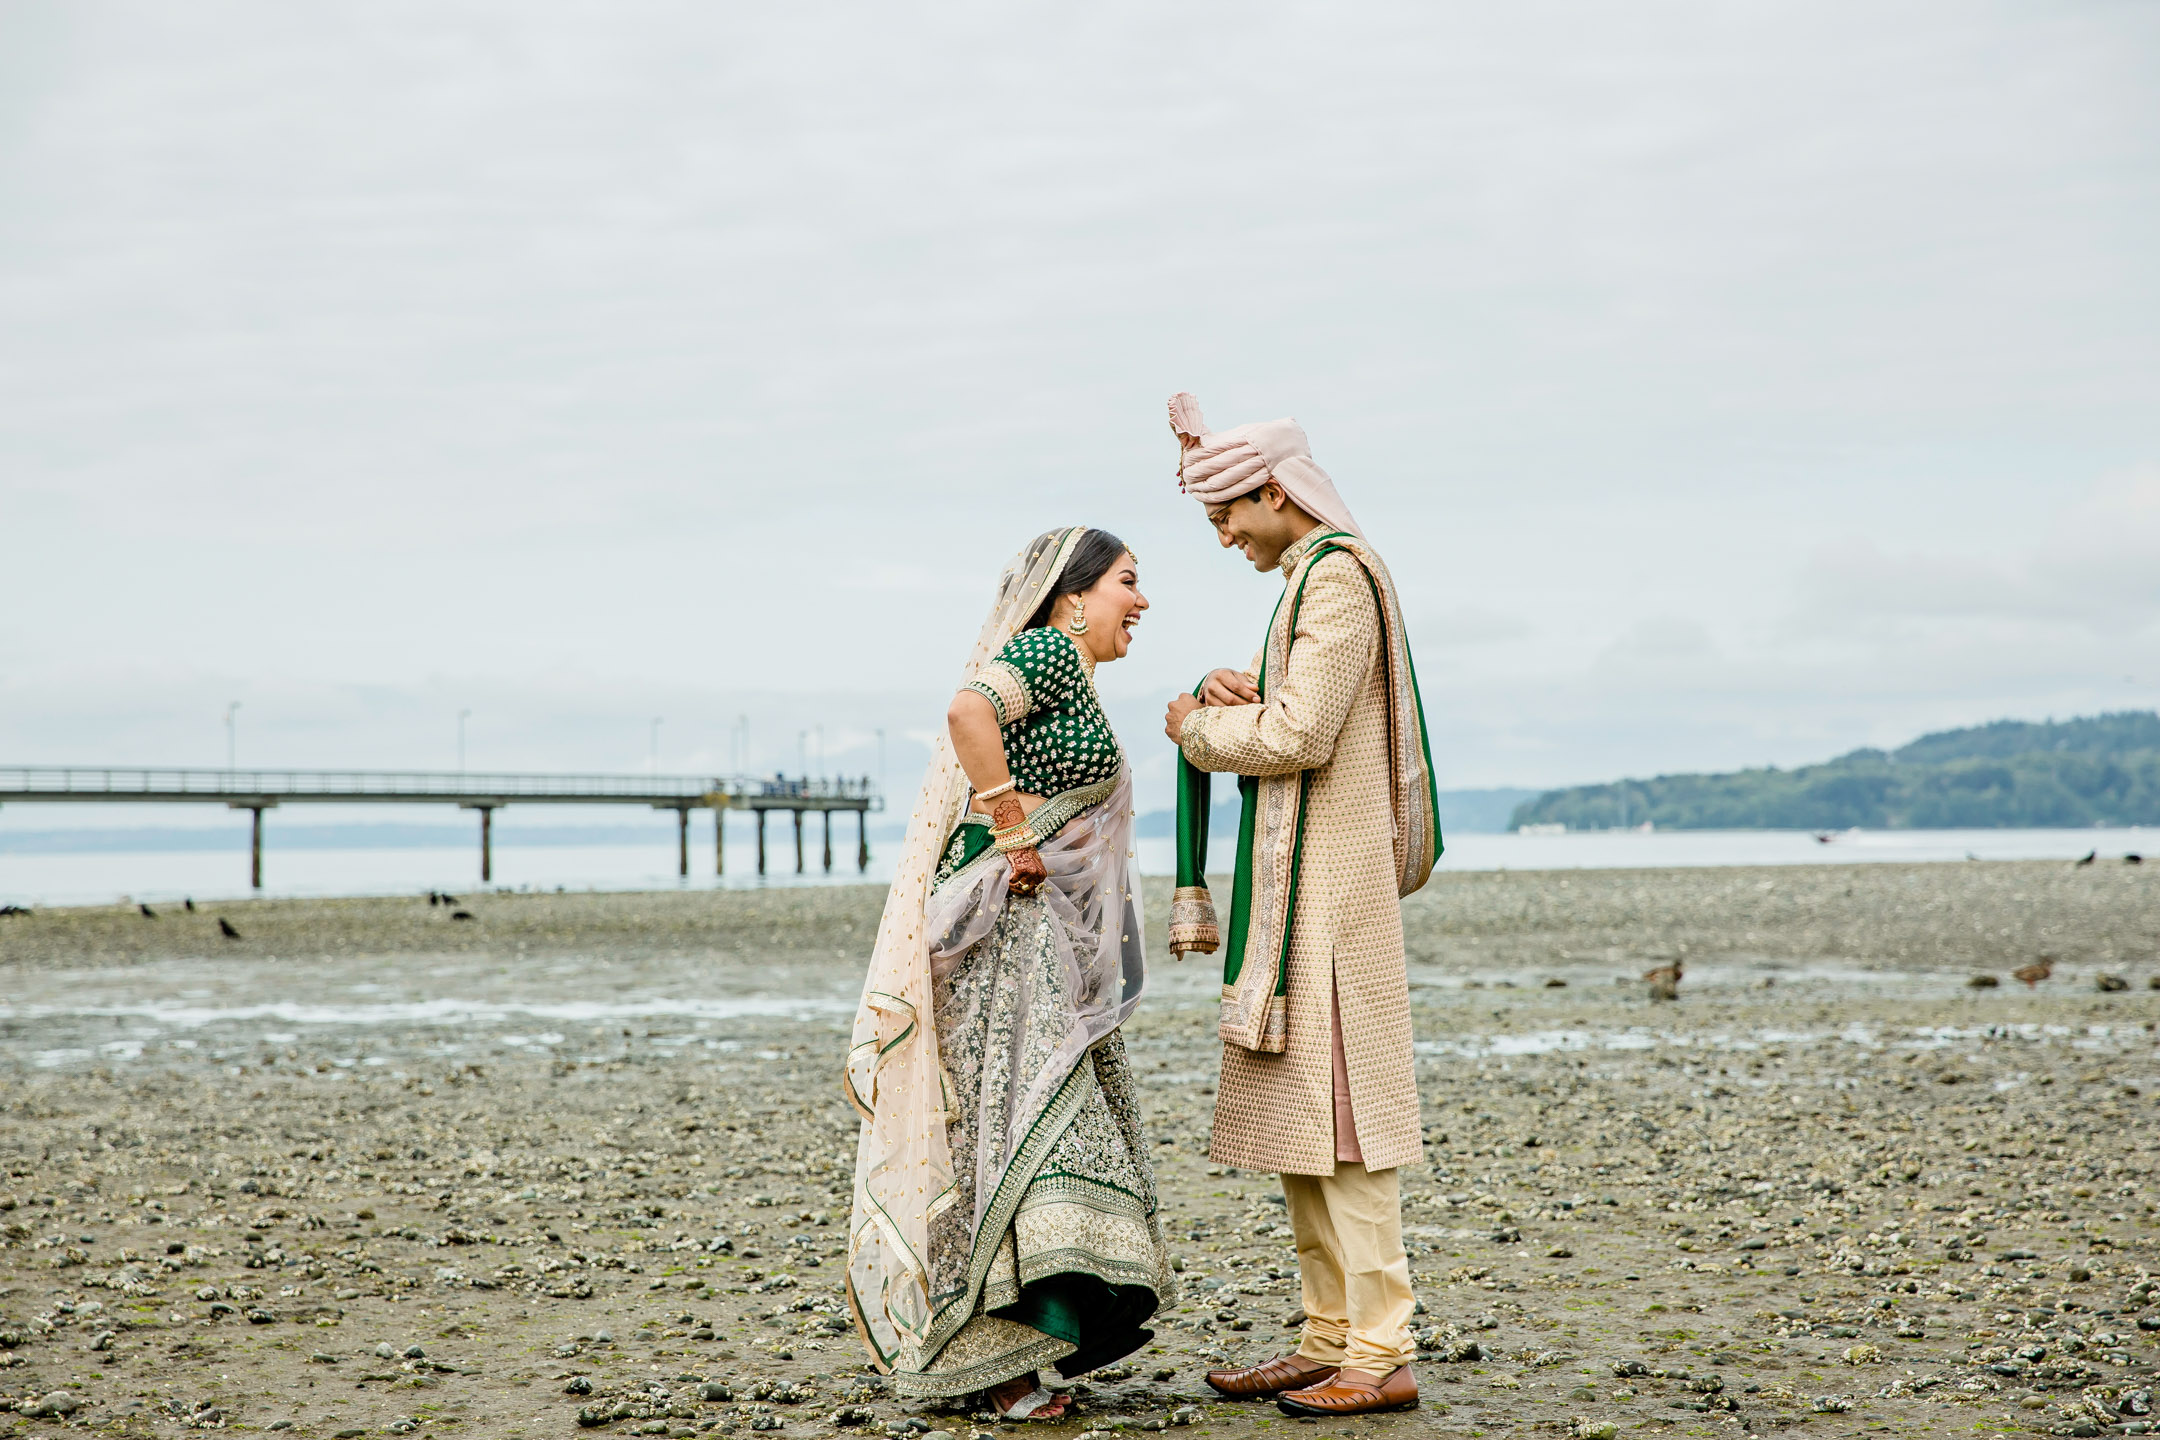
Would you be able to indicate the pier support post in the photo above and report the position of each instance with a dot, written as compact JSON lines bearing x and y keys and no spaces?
{"x":255,"y":810}
{"x":682,"y":841}
{"x":862,"y":840}
{"x":719,"y":839}
{"x":798,"y":842}
{"x":760,"y":813}
{"x":487,"y":836}
{"x":828,"y":840}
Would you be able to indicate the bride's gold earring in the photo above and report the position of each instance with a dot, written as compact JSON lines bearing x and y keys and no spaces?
{"x":1078,"y":624}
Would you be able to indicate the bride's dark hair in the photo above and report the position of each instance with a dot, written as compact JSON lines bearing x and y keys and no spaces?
{"x":1091,"y":559}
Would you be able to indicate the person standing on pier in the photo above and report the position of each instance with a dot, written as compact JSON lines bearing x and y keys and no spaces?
{"x":1327,"y":734}
{"x":1005,"y":1215}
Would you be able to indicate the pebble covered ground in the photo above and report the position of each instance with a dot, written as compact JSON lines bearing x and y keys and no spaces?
{"x":579,"y":1164}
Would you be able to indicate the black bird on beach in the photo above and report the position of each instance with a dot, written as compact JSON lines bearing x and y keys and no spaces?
{"x":225,"y":928}
{"x":449,"y":899}
{"x":2090,"y":856}
{"x":433,"y":899}
{"x":13,"y":910}
{"x":190,"y":903}
{"x":2133,"y":859}
{"x":148,"y":913}
{"x":461,"y":915}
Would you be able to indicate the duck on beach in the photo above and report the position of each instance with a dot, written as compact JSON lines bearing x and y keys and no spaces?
{"x":2034,"y":973}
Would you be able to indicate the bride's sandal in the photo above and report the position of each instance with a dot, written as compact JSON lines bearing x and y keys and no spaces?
{"x":1034,"y":1402}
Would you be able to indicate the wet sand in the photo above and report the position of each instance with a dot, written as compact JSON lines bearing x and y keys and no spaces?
{"x":586,"y":1156}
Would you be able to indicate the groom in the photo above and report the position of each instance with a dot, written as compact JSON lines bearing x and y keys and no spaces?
{"x":1339,"y":822}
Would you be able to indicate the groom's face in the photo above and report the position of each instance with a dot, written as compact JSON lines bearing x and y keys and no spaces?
{"x":1258,"y":525}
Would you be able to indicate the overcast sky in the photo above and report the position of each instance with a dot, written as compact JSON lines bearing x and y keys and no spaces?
{"x":1725,"y":383}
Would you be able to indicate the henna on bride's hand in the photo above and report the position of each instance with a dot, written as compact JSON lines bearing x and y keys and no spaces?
{"x":1028,"y":871}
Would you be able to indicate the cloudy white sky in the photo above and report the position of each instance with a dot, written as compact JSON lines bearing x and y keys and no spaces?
{"x":1726,"y":383}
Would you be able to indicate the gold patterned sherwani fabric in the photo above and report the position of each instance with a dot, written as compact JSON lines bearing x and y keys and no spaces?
{"x":1329,"y":715}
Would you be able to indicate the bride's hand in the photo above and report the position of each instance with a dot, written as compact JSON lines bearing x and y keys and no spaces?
{"x":1028,"y":871}
{"x":1006,"y":812}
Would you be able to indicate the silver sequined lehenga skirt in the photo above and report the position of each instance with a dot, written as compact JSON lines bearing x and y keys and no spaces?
{"x":1069,"y":1261}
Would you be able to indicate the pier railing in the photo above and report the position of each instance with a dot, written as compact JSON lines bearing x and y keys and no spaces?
{"x":260,"y":790}
{"x":140,"y":783}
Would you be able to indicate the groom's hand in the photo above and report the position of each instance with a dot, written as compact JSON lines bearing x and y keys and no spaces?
{"x":1229,"y":687}
{"x":1174,"y":720}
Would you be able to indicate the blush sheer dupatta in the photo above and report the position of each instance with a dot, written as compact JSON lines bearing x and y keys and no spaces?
{"x":904,"y":1167}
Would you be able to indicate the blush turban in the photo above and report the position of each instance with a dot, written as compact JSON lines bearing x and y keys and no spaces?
{"x":1216,"y":468}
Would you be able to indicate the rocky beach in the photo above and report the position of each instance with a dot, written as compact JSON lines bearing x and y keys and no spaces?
{"x":580,"y":1164}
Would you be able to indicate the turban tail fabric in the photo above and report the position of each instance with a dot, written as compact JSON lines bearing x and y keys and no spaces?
{"x":1217,"y":467}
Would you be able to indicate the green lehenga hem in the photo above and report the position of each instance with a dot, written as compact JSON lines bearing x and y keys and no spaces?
{"x":1101,"y":1321}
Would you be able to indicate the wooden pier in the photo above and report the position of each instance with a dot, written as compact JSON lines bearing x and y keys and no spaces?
{"x":259,"y":790}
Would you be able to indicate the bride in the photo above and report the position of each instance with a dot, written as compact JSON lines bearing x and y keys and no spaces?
{"x":1005,"y":1213}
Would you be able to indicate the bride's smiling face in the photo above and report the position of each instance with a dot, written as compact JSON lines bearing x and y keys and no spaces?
{"x":1113,"y":605}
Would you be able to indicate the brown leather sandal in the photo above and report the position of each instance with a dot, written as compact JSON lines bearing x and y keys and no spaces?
{"x":1270,"y":1377}
{"x":1353,"y":1393}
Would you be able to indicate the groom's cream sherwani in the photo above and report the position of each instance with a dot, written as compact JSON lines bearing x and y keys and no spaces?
{"x":1329,"y":715}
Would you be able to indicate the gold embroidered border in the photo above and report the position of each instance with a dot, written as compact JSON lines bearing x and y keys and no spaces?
{"x":1005,"y":688}
{"x":1192,"y":921}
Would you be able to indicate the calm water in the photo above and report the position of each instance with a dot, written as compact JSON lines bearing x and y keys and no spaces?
{"x":87,"y":879}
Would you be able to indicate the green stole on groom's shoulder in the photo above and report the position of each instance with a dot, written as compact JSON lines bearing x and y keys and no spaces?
{"x":1271,"y":824}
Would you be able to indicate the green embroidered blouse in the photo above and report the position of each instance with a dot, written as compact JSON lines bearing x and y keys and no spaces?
{"x":1058,"y":741}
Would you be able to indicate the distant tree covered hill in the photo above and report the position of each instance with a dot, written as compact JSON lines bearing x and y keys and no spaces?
{"x":2103,"y":770}
{"x":1479,"y":812}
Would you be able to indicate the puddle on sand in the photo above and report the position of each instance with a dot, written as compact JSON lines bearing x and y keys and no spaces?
{"x":445,"y":1011}
{"x":1599,"y":978}
{"x":1926,"y":1037}
{"x":39,"y":1032}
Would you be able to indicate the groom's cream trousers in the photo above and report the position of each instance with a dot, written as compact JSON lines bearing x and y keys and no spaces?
{"x":1351,"y":1264}
{"x":1355,"y":1276}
